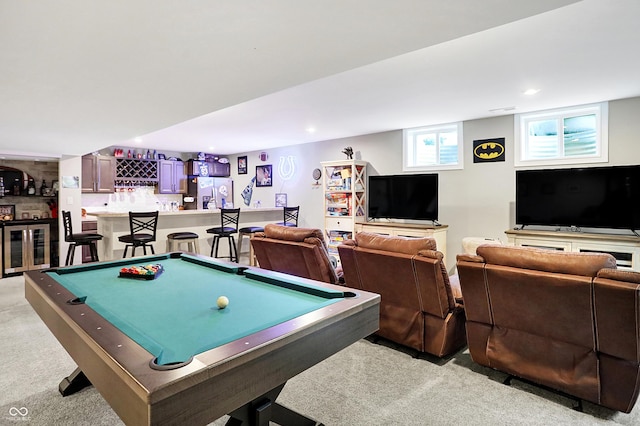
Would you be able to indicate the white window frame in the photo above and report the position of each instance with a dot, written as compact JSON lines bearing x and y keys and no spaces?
{"x":602,"y":135}
{"x":408,"y":149}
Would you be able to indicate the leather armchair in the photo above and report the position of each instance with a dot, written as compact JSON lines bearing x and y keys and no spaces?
{"x":419,"y":306}
{"x":568,"y":321}
{"x":296,"y":251}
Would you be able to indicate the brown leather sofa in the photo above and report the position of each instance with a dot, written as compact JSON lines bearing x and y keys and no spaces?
{"x":418,"y":307}
{"x":568,"y":321}
{"x":296,"y":251}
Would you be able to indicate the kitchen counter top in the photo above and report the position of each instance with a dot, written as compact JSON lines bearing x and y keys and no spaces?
{"x":186,"y":212}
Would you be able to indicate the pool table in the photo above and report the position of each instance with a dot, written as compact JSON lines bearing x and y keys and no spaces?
{"x":160,"y":350}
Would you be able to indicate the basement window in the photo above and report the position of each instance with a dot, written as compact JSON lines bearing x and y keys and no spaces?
{"x":432,"y":148}
{"x":562,"y":136}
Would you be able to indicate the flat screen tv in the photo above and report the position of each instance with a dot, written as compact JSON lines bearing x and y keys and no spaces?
{"x":412,"y":196}
{"x":590,"y":197}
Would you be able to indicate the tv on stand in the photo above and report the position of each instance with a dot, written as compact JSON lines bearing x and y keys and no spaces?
{"x":588,"y":197}
{"x":406,"y":197}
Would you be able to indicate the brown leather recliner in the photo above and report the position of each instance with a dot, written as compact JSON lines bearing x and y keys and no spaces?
{"x":418,"y":307}
{"x":569,"y":321}
{"x":296,"y":251}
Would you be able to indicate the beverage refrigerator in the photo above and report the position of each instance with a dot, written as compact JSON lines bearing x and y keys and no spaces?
{"x":208,"y":193}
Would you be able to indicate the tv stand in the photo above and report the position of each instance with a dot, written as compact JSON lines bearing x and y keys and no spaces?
{"x":436,"y":231}
{"x":625,"y":248}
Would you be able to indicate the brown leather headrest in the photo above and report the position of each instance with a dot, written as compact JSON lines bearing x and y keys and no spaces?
{"x":291,"y":233}
{"x":619,"y":275}
{"x":585,"y":264}
{"x":405,"y":245}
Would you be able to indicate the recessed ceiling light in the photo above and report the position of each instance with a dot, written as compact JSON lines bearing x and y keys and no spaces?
{"x":531,"y":92}
{"x":137,"y":140}
{"x":311,"y":129}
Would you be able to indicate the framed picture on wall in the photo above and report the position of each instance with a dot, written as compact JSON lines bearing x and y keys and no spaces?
{"x":281,"y":200}
{"x":263,"y":175}
{"x":242,"y":165}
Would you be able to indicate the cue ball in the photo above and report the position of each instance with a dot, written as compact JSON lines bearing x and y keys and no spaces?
{"x":222,"y":302}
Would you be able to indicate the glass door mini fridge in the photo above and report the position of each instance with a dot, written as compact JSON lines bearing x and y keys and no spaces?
{"x":26,"y":247}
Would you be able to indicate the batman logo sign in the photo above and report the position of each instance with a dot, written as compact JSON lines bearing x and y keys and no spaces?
{"x":488,"y":150}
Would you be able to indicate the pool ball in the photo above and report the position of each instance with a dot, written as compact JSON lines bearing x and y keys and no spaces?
{"x":222,"y":302}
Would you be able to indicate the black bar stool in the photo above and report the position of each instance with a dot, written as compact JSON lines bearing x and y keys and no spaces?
{"x":229,"y":219}
{"x":248,"y":231}
{"x":143,"y":227}
{"x":290,"y":216}
{"x":81,"y":239}
{"x":189,"y":238}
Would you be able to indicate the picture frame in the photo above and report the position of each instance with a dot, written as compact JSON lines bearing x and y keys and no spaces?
{"x":242,"y":165}
{"x":264,"y":175}
{"x":281,"y":200}
{"x":72,"y":182}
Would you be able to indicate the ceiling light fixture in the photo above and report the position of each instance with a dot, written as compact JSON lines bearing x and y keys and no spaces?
{"x":137,"y":140}
{"x":503,"y":109}
{"x":531,"y":92}
{"x":311,"y":129}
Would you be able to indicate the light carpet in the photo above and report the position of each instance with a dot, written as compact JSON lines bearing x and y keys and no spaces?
{"x":365,"y":384}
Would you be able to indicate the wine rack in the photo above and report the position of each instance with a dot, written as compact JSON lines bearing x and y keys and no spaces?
{"x":136,"y":172}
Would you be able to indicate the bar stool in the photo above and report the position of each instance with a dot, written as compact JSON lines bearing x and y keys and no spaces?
{"x":189,"y":238}
{"x":229,"y":219}
{"x":248,"y":231}
{"x":81,"y":239}
{"x":290,"y":216}
{"x":142,"y":226}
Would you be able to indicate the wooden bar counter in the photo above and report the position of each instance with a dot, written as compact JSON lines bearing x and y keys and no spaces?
{"x":112,"y":225}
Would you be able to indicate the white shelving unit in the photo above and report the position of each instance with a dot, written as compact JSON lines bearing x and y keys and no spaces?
{"x":344,"y":185}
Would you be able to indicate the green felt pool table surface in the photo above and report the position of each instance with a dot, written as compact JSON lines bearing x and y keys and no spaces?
{"x":175,"y":316}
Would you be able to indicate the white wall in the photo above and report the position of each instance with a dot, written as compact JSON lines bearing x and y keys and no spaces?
{"x":477,"y":201}
{"x":69,"y":199}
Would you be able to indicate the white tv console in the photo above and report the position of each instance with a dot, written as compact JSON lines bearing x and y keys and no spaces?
{"x":625,"y":248}
{"x":439,"y":233}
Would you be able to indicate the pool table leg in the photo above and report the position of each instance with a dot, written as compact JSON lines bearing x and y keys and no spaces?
{"x":264,"y":409}
{"x":75,"y":382}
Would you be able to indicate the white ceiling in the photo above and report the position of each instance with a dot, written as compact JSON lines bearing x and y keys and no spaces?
{"x":232,"y":76}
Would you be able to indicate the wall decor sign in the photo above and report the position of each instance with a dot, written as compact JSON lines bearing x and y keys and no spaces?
{"x":488,"y":150}
{"x":281,"y":200}
{"x":264,"y":175}
{"x":242,"y":165}
{"x":286,"y":167}
{"x":71,"y":182}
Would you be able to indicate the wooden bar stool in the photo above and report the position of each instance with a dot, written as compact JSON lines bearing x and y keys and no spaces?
{"x":190,"y":238}
{"x":290,"y":216}
{"x":142,"y":226}
{"x":79,"y":239}
{"x":229,"y":219}
{"x":248,"y":231}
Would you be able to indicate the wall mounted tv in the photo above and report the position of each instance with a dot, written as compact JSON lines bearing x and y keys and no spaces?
{"x":412,"y":196}
{"x":590,"y":197}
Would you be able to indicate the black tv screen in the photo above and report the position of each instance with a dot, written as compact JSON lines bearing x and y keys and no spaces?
{"x":594,"y":197}
{"x":404,"y":197}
